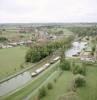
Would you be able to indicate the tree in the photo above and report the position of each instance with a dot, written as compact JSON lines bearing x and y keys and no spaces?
{"x":28,"y":56}
{"x":93,"y":50}
{"x":49,"y":86}
{"x":65,"y":65}
{"x":3,"y":39}
{"x":42,"y":93}
{"x":36,"y":53}
{"x":79,"y":80}
{"x":78,"y":69}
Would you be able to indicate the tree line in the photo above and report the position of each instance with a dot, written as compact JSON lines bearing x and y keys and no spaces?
{"x":84,"y":31}
{"x":3,"y":39}
{"x":37,"y":52}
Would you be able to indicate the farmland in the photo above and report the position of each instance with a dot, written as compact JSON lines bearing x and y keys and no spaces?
{"x":11,"y":59}
{"x":48,"y":49}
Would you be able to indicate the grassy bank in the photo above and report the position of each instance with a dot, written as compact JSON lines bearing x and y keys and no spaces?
{"x":19,"y":95}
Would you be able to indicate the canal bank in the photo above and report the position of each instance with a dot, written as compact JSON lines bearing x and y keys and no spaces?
{"x":15,"y":81}
{"x":31,"y":85}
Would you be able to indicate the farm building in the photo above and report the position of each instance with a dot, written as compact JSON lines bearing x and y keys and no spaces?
{"x":86,"y":56}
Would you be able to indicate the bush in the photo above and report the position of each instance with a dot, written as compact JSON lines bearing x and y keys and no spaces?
{"x":79,"y":70}
{"x":55,"y":80}
{"x":65,"y":65}
{"x":42,"y":92}
{"x":79,"y":81}
{"x":21,"y":66}
{"x":49,"y":86}
{"x":3,"y":39}
{"x":69,"y":96}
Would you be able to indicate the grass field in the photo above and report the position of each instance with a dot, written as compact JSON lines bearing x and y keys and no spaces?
{"x":60,"y":87}
{"x":55,"y":30}
{"x":10,"y":60}
{"x":15,"y":35}
{"x":89,"y":92}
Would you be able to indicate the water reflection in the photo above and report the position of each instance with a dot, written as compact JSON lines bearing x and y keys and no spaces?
{"x":76,"y":48}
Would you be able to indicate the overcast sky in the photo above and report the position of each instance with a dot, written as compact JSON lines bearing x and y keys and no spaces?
{"x":19,"y":11}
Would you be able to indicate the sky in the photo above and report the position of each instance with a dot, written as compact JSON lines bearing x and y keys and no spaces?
{"x":42,"y":11}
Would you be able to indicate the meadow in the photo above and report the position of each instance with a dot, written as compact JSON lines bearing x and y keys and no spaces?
{"x":14,"y":35}
{"x":89,"y":92}
{"x":11,"y":59}
{"x":60,"y":87}
{"x":64,"y":82}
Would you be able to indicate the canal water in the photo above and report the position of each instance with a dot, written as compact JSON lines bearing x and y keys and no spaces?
{"x":14,"y":83}
{"x":76,"y":48}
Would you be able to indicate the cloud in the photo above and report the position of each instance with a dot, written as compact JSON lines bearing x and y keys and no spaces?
{"x":48,"y":11}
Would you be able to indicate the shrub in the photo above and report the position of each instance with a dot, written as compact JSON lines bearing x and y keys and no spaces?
{"x":3,"y":39}
{"x":55,"y":80}
{"x":42,"y":92}
{"x":21,"y":66}
{"x":65,"y":65}
{"x":79,"y":80}
{"x":49,"y":86}
{"x":69,"y":96}
{"x":79,"y":70}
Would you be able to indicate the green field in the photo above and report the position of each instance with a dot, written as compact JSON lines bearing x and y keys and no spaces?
{"x":60,"y":87}
{"x":89,"y":92}
{"x":11,"y":59}
{"x":64,"y":30}
{"x":15,"y":35}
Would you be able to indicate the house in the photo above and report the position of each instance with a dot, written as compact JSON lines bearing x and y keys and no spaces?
{"x":13,"y":44}
{"x":86,"y":56}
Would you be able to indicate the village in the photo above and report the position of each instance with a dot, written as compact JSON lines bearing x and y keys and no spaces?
{"x":46,"y":55}
{"x":35,"y":36}
{"x":48,"y":49}
{"x":83,"y":50}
